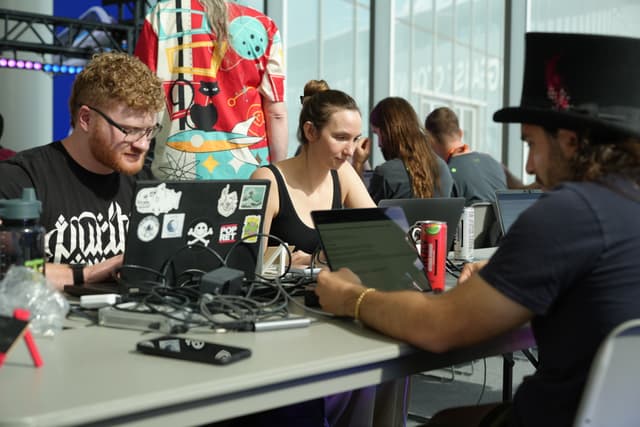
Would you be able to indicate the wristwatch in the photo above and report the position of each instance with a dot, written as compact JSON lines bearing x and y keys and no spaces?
{"x":78,"y":273}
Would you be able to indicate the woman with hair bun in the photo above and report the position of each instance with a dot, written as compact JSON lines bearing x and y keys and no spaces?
{"x":320,"y":176}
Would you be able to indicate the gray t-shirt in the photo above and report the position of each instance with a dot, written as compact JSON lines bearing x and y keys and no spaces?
{"x":391,"y":180}
{"x":476,"y":177}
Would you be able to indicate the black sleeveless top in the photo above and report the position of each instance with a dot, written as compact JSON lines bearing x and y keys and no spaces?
{"x":288,"y":226}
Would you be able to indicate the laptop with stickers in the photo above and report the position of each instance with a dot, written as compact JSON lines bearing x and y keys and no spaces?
{"x":219,"y":217}
{"x":511,"y":203}
{"x":372,"y":242}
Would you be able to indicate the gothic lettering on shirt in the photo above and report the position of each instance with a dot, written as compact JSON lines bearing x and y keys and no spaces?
{"x":89,"y":237}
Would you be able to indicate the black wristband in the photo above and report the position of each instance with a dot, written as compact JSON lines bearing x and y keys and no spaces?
{"x":78,"y":274}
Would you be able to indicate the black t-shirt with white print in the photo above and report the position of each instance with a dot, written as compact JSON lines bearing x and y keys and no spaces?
{"x":86,"y":215}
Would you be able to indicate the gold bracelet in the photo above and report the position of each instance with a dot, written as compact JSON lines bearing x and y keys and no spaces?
{"x":356,"y":310}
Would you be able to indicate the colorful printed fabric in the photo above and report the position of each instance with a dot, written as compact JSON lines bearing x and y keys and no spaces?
{"x":214,"y":124}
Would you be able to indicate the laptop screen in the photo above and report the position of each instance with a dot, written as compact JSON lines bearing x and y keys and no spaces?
{"x":446,"y":209}
{"x":372,"y":242}
{"x":169,"y":217}
{"x":511,"y":203}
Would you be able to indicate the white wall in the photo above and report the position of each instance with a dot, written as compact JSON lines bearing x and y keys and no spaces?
{"x":26,"y":96}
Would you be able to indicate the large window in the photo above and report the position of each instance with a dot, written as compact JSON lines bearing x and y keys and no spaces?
{"x":450,"y":53}
{"x":443,"y":52}
{"x":326,"y":39}
{"x":613,"y":17}
{"x":437,"y":52}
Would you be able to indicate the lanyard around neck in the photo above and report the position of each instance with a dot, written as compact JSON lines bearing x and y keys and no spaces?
{"x":461,"y":149}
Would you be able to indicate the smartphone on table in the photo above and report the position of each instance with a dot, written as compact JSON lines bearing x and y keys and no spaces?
{"x":193,"y":350}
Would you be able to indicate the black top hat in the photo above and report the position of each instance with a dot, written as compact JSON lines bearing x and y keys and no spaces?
{"x":580,"y":81}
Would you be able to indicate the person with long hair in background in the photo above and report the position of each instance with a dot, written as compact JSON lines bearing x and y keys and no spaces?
{"x":412,"y":169}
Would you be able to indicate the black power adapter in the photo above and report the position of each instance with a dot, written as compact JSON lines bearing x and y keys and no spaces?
{"x":222,"y":281}
{"x":311,"y":299}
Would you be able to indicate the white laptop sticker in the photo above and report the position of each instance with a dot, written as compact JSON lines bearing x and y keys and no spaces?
{"x":200,"y":233}
{"x":148,"y":228}
{"x":228,"y":202}
{"x":157,"y":200}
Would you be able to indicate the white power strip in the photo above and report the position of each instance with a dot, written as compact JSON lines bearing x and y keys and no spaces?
{"x":139,"y":320}
{"x":99,"y":301}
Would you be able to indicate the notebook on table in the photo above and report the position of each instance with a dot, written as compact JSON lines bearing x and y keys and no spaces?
{"x":446,"y":209}
{"x":373,"y":243}
{"x":185,"y":222}
{"x":511,"y":203}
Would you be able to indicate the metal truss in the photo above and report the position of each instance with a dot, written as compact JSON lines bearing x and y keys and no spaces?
{"x":70,"y":38}
{"x":137,"y":9}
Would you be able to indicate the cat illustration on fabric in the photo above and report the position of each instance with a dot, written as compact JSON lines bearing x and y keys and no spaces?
{"x":204,"y":117}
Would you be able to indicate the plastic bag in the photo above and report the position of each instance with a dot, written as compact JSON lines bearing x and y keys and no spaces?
{"x":25,"y":288}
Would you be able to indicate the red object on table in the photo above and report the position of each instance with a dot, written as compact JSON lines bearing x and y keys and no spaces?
{"x":24,"y":315}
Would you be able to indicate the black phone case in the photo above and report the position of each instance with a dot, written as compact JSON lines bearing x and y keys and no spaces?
{"x":193,"y":350}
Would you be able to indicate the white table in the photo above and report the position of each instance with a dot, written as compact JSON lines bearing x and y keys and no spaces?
{"x":93,"y":374}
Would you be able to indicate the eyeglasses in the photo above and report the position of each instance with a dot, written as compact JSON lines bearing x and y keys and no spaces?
{"x":131,"y":135}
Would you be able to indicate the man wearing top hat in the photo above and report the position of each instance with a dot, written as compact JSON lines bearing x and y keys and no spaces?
{"x":569,"y":265}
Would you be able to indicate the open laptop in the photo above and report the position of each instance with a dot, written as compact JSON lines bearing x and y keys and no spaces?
{"x":169,"y":217}
{"x":446,"y":209}
{"x":373,"y":243}
{"x":511,"y":203}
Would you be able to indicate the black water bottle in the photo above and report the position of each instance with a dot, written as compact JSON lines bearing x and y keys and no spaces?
{"x":21,"y":235}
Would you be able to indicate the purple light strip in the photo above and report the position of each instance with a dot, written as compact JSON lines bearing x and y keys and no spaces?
{"x":38,"y":66}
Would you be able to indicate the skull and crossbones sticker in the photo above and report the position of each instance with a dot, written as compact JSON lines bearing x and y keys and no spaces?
{"x":200,"y":233}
